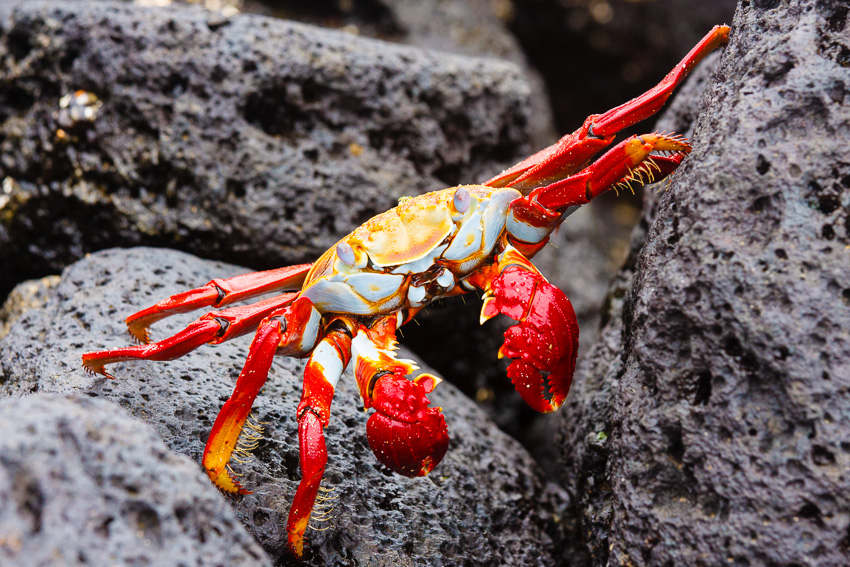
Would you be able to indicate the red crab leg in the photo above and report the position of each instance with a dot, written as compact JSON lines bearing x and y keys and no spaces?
{"x":323,"y":370}
{"x":574,"y":150}
{"x":217,"y":293}
{"x":290,"y":330}
{"x":629,"y":161}
{"x":213,"y":328}
{"x":533,"y":217}
{"x":231,"y":419}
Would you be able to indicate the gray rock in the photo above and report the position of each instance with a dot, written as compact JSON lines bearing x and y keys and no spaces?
{"x":246,"y":139}
{"x":477,"y":28}
{"x":83,"y":483}
{"x":25,"y":296}
{"x":710,"y":426}
{"x":485,"y":504}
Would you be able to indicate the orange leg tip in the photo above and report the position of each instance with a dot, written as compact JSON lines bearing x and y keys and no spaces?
{"x":296,"y":545}
{"x":226,"y":483}
{"x":140,"y":333}
{"x":138,"y":324}
{"x":92,"y":366}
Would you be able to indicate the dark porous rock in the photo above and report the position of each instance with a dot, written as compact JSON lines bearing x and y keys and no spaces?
{"x":485,"y":504}
{"x":710,"y":425}
{"x":247,"y":139}
{"x":472,"y":27}
{"x":83,"y":483}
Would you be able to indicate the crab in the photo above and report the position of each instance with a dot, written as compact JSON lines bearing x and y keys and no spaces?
{"x":342,"y":311}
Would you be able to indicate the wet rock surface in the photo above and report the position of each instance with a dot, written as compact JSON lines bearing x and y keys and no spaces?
{"x":486,"y":503}
{"x":83,"y":483}
{"x":709,"y":425}
{"x":246,"y":139}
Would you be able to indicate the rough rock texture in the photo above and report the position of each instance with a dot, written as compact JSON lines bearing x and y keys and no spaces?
{"x":710,"y":426}
{"x":472,"y":27}
{"x":25,"y":296}
{"x":248,"y":139}
{"x":83,"y":483}
{"x":485,"y":504}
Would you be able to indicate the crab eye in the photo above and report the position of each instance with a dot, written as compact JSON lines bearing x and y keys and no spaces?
{"x":345,"y":252}
{"x":461,"y":200}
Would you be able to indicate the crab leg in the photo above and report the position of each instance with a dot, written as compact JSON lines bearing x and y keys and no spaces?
{"x":650,"y":102}
{"x":217,"y":293}
{"x":533,"y":217}
{"x":574,"y":150}
{"x":231,"y":419}
{"x":629,"y":161}
{"x":291,"y":330}
{"x":213,"y":328}
{"x":321,"y":375}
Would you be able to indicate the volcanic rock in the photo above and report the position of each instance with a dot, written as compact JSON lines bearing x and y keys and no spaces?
{"x":486,"y":503}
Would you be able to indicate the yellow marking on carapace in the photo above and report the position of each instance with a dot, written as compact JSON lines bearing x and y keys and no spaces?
{"x":409,"y":231}
{"x":402,"y":234}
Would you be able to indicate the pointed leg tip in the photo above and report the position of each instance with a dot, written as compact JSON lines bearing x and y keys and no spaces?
{"x":296,"y":546}
{"x":140,"y":333}
{"x":93,"y":367}
{"x":224,"y":481}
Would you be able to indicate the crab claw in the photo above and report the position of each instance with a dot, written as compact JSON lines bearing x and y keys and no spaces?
{"x":544,"y":342}
{"x":405,"y":434}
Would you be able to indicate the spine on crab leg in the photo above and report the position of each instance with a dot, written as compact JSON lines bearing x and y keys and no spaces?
{"x":217,"y":293}
{"x":213,"y":328}
{"x":323,"y":370}
{"x":564,"y":157}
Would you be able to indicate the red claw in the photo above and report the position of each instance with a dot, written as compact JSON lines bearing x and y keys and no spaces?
{"x":545,"y":339}
{"x":405,"y":434}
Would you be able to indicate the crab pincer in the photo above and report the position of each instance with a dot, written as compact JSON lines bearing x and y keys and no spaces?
{"x":404,"y":433}
{"x":544,"y":342}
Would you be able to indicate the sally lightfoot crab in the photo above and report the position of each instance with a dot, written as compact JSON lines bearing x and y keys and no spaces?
{"x":342,"y":311}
